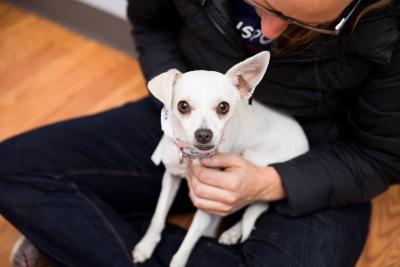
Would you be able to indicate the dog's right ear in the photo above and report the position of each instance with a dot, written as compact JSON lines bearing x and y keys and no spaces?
{"x":162,"y":85}
{"x":247,"y":74}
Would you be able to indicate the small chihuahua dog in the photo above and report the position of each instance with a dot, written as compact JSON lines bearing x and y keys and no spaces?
{"x":205,"y":112}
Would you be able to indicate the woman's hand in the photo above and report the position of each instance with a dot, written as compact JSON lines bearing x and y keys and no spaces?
{"x":225,"y":183}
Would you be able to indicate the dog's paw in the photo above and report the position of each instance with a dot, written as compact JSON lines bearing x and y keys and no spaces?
{"x":177,"y":261}
{"x":142,"y":252}
{"x":230,"y":236}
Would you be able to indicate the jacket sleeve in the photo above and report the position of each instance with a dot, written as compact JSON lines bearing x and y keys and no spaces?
{"x":362,"y":164}
{"x":156,"y":26}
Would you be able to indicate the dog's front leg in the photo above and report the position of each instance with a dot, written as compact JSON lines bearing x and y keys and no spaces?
{"x":144,"y":249}
{"x":200,"y":223}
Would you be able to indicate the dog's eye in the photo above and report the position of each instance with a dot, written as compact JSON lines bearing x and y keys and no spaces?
{"x":223,"y":108}
{"x":183,"y":107}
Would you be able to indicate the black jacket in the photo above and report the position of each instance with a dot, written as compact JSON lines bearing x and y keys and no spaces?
{"x":344,"y":90}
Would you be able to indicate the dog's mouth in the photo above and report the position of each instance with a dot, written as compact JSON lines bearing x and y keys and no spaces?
{"x":204,"y":147}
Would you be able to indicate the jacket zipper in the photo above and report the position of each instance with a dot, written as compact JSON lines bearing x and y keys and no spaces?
{"x":217,"y":22}
{"x":304,"y":60}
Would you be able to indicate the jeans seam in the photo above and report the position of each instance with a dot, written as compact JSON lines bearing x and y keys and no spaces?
{"x":104,"y":218}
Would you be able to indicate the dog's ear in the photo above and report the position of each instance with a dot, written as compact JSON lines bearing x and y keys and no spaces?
{"x":247,"y":74}
{"x":162,"y":85}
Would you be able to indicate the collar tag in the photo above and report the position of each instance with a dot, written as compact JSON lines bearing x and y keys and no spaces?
{"x":192,"y":153}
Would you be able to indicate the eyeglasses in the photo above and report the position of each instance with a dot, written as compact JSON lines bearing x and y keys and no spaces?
{"x":290,"y":20}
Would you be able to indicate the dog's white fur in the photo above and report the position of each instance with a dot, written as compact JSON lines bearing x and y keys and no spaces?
{"x":260,"y":134}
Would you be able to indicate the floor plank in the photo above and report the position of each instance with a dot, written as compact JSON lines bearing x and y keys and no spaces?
{"x":48,"y":73}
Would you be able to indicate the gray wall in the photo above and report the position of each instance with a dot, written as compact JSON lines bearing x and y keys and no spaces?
{"x":85,"y":19}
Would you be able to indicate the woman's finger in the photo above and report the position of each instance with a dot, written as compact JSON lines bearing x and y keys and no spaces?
{"x":209,"y":206}
{"x":213,"y":193}
{"x":214,"y":177}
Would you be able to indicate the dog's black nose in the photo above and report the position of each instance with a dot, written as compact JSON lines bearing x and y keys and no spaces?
{"x":203,"y":136}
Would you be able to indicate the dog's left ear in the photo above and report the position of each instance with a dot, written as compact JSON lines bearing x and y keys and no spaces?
{"x":162,"y":86}
{"x":247,"y":74}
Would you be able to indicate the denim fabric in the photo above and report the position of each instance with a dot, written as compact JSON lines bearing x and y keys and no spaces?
{"x":83,"y":192}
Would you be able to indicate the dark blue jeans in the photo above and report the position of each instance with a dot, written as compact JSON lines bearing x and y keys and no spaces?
{"x":83,"y":192}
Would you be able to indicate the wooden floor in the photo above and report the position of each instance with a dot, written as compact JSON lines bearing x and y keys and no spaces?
{"x":48,"y":73}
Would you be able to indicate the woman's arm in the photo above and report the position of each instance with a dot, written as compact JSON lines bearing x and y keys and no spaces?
{"x":362,"y":165}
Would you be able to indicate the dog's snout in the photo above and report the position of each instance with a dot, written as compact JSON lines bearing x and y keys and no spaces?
{"x":203,"y":136}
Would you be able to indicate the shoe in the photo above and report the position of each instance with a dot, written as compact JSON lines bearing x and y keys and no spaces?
{"x":25,"y":254}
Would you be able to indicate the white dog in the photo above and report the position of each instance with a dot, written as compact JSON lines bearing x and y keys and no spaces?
{"x":205,"y":111}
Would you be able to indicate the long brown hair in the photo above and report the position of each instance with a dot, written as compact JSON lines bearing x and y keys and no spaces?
{"x":295,"y":36}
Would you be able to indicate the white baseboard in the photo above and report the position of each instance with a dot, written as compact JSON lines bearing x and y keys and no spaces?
{"x":114,"y":7}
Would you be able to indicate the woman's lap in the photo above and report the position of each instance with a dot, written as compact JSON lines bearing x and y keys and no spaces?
{"x":329,"y":238}
{"x":83,"y":176}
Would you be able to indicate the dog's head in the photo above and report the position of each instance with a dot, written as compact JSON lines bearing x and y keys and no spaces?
{"x":204,"y":101}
